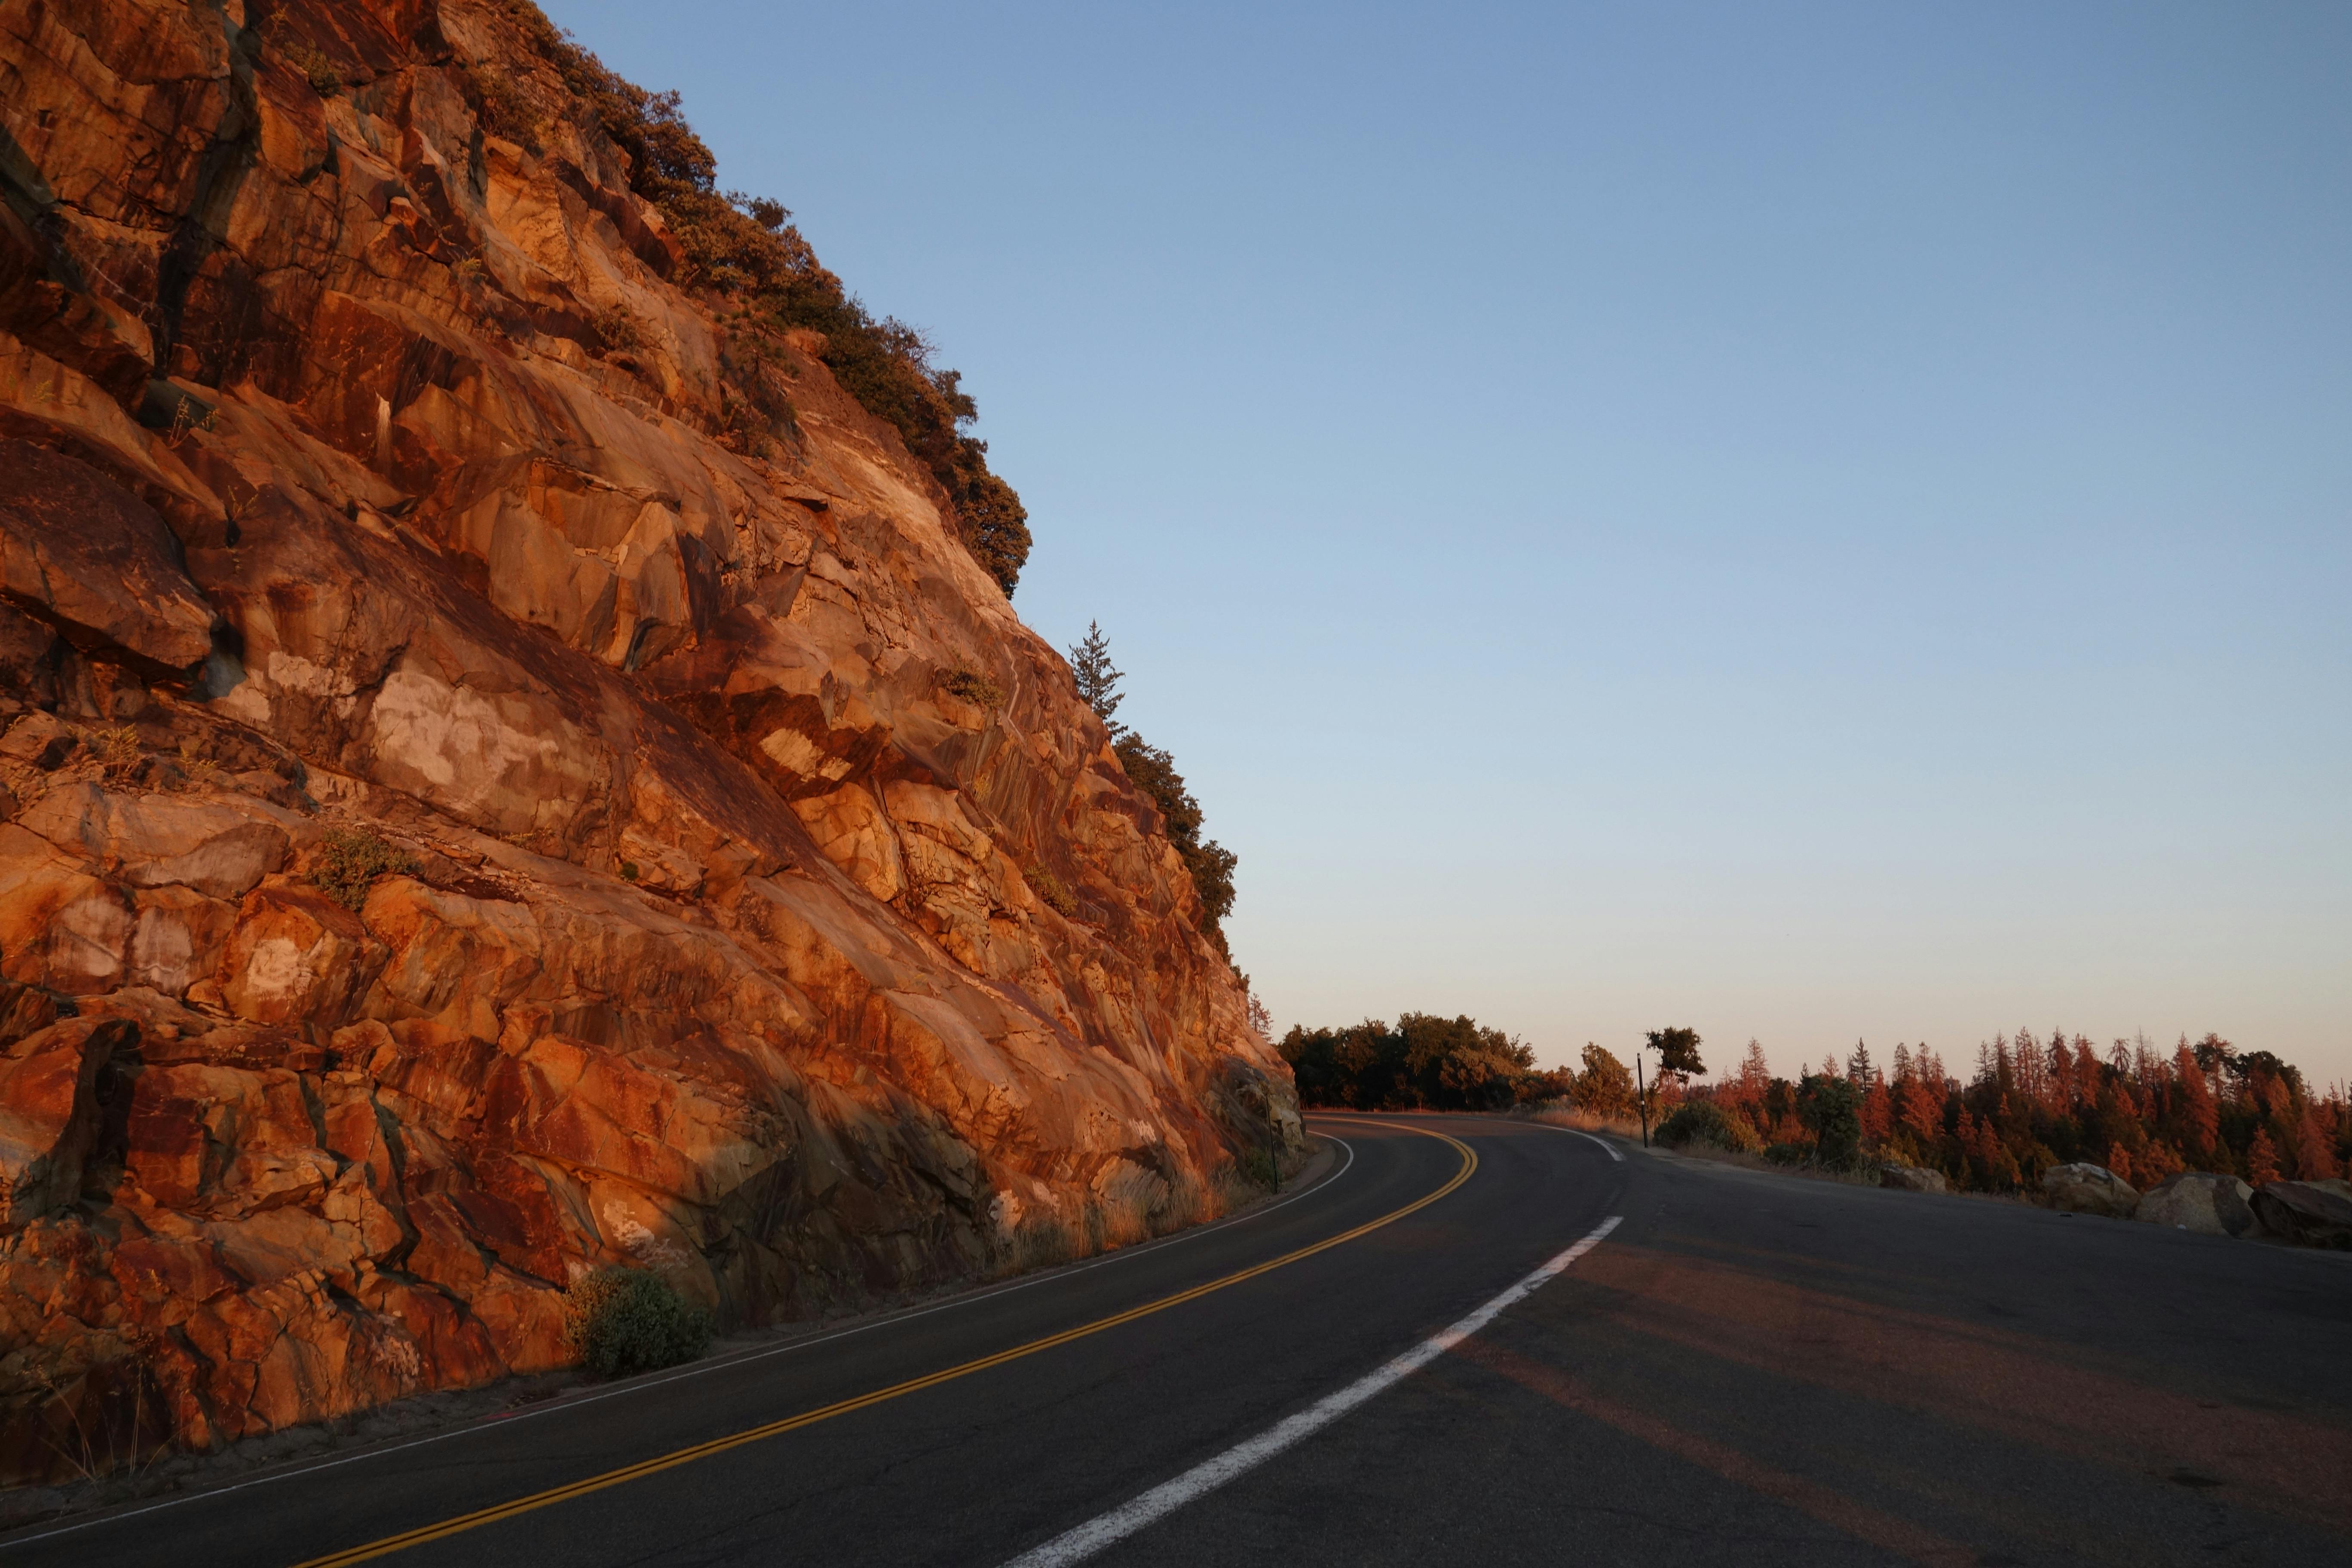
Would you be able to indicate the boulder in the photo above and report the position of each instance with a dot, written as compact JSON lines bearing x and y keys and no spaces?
{"x":2200,"y":1201}
{"x":2306,"y":1213}
{"x":2090,"y":1189}
{"x":1912,"y":1179}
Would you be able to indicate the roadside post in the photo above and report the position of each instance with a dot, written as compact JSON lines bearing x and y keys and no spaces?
{"x":1642,"y":1095}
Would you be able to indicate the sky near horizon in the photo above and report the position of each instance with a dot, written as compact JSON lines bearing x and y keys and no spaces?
{"x":1817,"y":522}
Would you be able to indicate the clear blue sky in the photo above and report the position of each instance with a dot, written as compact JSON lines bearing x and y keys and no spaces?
{"x":1811,"y":521}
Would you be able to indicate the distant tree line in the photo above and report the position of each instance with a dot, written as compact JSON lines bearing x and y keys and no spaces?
{"x":2033,"y":1103}
{"x":1426,"y":1062}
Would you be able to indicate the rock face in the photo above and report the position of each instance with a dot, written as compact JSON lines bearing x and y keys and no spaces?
{"x":476,"y":804}
{"x":2308,"y":1213}
{"x":2090,"y":1189}
{"x":2202,"y":1202}
{"x":1912,"y":1179}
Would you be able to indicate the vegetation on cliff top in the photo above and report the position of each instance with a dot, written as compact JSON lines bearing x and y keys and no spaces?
{"x":747,"y":247}
{"x":1153,"y":770}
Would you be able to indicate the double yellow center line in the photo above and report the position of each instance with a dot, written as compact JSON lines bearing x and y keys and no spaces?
{"x":670,"y":1461}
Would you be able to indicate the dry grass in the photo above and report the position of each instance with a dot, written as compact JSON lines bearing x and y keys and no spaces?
{"x":114,"y":748}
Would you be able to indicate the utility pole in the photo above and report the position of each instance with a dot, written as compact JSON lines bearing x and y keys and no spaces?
{"x":1642,"y":1094}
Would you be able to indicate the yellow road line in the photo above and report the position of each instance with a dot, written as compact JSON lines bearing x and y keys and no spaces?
{"x":670,"y":1461}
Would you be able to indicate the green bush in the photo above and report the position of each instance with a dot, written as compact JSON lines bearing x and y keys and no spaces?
{"x":632,"y":1319}
{"x":618,"y":329}
{"x":1704,"y":1121}
{"x":1257,"y":1166}
{"x":973,"y":687}
{"x":317,"y":69}
{"x":1049,"y":888}
{"x":350,"y":860}
{"x":506,"y":109}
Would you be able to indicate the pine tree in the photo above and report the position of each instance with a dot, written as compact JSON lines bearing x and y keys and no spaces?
{"x":1098,"y":678}
{"x":2261,"y":1159}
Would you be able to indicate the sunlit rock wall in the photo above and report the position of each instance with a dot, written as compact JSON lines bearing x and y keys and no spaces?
{"x":363,"y":473}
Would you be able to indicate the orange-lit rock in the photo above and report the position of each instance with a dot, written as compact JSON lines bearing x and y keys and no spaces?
{"x":712,"y":943}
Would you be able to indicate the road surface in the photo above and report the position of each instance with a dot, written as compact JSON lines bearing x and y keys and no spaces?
{"x":1666,"y":1360}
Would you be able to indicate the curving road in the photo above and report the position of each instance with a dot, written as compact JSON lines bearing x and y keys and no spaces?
{"x":1746,"y":1368}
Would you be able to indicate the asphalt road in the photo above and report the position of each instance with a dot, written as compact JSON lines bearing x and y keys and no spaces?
{"x":1748,"y":1369}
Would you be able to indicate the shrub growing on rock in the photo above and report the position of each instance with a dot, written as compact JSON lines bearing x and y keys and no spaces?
{"x":1153,"y":770}
{"x":970,"y":686}
{"x":1704,"y":1121}
{"x":632,"y":1319}
{"x":350,"y":860}
{"x":1049,"y":888}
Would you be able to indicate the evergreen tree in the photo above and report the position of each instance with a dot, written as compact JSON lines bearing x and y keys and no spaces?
{"x":1098,"y":678}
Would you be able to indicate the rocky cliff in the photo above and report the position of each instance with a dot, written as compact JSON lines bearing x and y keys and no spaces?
{"x":508,"y":766}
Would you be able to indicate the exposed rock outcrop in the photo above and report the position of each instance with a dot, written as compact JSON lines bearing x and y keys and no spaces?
{"x":2202,"y":1202}
{"x":2090,"y":1189}
{"x":481,"y":797}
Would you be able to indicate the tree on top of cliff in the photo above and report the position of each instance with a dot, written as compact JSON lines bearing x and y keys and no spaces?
{"x":747,"y":247}
{"x":1099,"y":679}
{"x":1153,"y":770}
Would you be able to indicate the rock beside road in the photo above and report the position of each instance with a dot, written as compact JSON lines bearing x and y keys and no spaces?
{"x":1912,"y":1179}
{"x":2202,"y":1202}
{"x":2306,"y":1211}
{"x":506,"y":768}
{"x":2090,"y":1189}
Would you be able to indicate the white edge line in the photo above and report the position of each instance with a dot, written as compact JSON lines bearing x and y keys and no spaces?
{"x":1076,"y":1546}
{"x":1615,"y":1153}
{"x":503,"y":1419}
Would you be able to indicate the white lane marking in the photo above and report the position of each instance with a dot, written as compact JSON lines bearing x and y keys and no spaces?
{"x":1076,"y":1546}
{"x":1615,"y":1153}
{"x":640,"y":1384}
